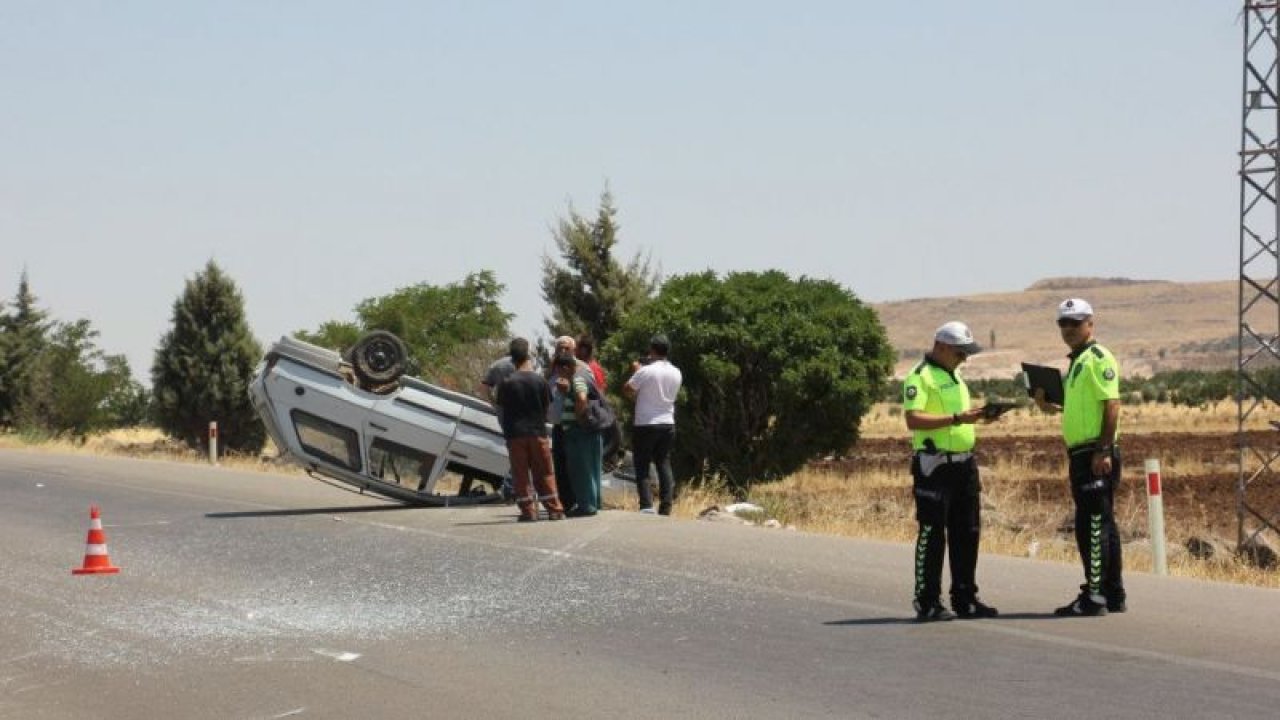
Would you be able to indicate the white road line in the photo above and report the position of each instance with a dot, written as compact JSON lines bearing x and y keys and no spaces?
{"x":566,"y":552}
{"x":135,"y":525}
{"x":987,"y":626}
{"x":997,"y":626}
{"x":337,"y":656}
{"x":23,"y":656}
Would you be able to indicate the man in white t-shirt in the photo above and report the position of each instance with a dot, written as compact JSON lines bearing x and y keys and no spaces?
{"x":654,"y":385}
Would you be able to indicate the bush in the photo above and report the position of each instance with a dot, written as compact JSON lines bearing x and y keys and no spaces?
{"x":776,"y":371}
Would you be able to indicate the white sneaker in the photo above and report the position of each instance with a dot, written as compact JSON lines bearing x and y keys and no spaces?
{"x":648,"y":511}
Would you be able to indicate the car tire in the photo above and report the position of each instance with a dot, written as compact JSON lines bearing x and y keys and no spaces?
{"x":379,"y":358}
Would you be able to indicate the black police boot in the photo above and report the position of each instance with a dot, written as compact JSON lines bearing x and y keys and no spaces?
{"x":971,"y":608}
{"x":932,"y":611}
{"x":1085,"y":605}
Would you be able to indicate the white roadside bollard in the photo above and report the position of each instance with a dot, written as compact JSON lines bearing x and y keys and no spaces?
{"x":213,"y":442}
{"x":1155,"y":515}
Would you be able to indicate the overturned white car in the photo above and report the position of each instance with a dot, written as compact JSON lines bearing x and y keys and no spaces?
{"x":359,"y":420}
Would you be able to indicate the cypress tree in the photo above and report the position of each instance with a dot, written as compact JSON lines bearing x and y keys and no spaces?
{"x":592,"y":292}
{"x":24,"y":333}
{"x":204,"y":364}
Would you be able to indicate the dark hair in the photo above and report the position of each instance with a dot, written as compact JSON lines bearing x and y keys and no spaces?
{"x":586,"y":346}
{"x":519,"y":350}
{"x":564,"y":360}
{"x":660,"y":345}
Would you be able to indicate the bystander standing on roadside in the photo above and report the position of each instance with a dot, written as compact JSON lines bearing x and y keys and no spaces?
{"x":945,"y":480}
{"x":524,"y":398}
{"x":654,"y":385}
{"x":612,"y":437}
{"x":585,"y":350}
{"x":1091,"y":429}
{"x":499,"y":369}
{"x":564,"y":345}
{"x":582,"y":448}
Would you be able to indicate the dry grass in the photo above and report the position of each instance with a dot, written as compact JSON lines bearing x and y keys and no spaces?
{"x":1018,"y":519}
{"x":885,"y":420}
{"x":875,"y":501}
{"x":879,"y":505}
{"x":138,"y":442}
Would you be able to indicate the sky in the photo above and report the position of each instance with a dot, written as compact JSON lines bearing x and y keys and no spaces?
{"x":322,"y":153}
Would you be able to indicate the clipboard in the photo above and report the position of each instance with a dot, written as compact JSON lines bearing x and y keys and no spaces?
{"x":1042,"y":376}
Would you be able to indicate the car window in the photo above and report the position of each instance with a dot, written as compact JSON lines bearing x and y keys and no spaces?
{"x":327,"y":440}
{"x":394,"y":463}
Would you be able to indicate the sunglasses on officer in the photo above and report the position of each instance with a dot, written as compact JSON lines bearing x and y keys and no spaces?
{"x":1069,"y":323}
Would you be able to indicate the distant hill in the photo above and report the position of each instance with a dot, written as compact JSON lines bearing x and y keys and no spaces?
{"x":1151,"y":325}
{"x":1085,"y":283}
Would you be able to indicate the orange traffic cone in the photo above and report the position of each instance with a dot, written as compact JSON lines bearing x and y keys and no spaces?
{"x":96,"y":559}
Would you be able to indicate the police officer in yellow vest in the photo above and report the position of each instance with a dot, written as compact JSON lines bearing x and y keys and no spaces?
{"x":945,"y":476}
{"x":1091,"y":427}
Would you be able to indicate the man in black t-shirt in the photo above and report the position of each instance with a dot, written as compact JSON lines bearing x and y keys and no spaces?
{"x":523,"y":399}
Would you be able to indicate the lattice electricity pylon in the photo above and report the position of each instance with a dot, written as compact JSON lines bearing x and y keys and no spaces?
{"x":1259,"y":317}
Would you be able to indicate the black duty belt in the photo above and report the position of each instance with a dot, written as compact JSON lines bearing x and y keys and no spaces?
{"x":1087,"y":447}
{"x":947,"y":456}
{"x":930,"y":461}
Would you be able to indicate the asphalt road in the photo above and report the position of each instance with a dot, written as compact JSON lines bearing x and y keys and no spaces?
{"x":246,"y":595}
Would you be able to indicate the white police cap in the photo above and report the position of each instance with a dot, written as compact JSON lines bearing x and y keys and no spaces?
{"x":957,"y":334}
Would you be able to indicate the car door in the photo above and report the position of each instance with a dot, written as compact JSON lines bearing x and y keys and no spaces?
{"x":409,"y":435}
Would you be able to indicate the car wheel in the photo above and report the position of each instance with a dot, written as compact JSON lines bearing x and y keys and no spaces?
{"x":379,"y":358}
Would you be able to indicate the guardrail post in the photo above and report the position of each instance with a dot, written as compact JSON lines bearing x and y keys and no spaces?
{"x":1155,"y":515}
{"x":213,"y":442}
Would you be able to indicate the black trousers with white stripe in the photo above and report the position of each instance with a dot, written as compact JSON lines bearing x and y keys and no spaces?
{"x":948,"y":509}
{"x":1097,"y":538}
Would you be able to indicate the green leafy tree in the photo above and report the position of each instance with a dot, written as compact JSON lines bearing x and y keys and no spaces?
{"x":53,"y":378}
{"x":72,"y":385}
{"x":203,"y":366}
{"x":333,"y":335}
{"x":452,"y":332}
{"x":592,"y":292}
{"x":128,"y":402}
{"x":1194,"y":388}
{"x":24,"y":333}
{"x":776,"y":371}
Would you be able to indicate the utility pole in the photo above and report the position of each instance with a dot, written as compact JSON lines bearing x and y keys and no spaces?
{"x":1259,"y":307}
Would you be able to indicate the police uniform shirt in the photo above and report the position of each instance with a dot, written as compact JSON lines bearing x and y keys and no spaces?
{"x":1092,"y":378}
{"x":933,"y":389}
